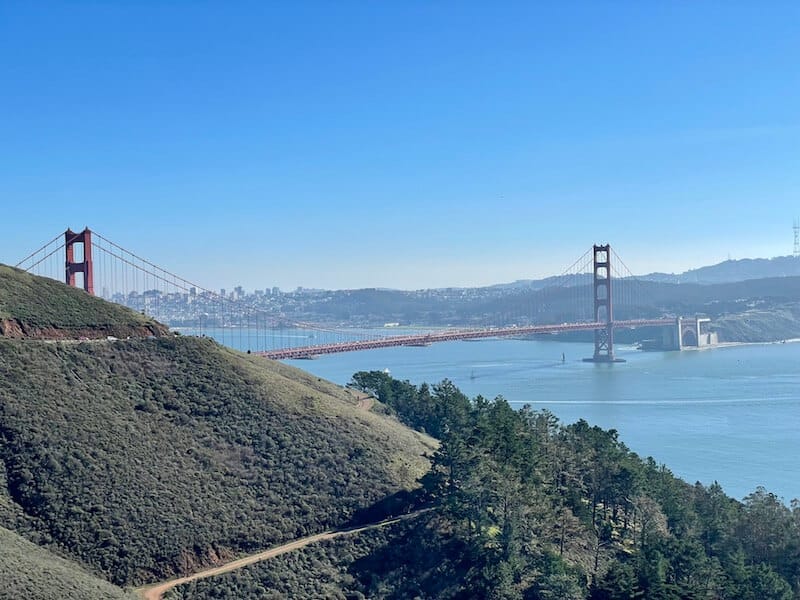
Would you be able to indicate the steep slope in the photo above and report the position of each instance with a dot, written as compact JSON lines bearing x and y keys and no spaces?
{"x":145,"y":458}
{"x":37,"y":307}
{"x":150,"y":457}
{"x":32,"y":572}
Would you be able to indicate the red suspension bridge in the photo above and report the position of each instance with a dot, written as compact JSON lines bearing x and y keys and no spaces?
{"x":583,"y":298}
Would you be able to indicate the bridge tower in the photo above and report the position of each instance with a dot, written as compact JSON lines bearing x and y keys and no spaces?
{"x":85,"y":266}
{"x":603,"y":306}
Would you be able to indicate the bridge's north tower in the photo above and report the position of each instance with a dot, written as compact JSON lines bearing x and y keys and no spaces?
{"x":85,"y":266}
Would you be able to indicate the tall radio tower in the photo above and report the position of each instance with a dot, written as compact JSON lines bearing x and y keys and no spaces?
{"x":797,"y":238}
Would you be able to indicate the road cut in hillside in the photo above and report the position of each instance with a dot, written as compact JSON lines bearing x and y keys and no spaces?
{"x":157,"y":591}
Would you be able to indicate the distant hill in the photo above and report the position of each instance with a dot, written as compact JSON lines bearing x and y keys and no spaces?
{"x":144,"y":458}
{"x":754,"y":310}
{"x":728,"y":271}
{"x":540,"y":284}
{"x":734,"y":270}
{"x":734,"y":300}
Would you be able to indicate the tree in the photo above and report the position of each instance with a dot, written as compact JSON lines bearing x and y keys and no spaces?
{"x":764,"y":527}
{"x":618,"y":583}
{"x":765,"y":584}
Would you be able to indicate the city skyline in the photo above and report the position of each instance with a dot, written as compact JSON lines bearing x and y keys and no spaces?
{"x":401,"y":146}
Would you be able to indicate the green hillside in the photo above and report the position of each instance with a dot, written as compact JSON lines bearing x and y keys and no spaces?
{"x":327,"y":570}
{"x":38,"y":307}
{"x":145,"y":458}
{"x":148,"y":457}
{"x":32,"y":572}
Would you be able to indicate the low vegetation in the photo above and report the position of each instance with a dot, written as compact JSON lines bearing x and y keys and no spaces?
{"x":148,"y":458}
{"x":32,"y":572}
{"x":323,"y":571}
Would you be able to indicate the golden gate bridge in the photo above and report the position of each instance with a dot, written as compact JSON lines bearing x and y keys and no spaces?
{"x":588,"y":292}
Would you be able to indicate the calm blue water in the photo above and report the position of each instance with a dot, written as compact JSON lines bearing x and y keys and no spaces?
{"x":728,"y":414}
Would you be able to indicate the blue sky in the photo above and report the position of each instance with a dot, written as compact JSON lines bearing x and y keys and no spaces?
{"x":401,"y":144}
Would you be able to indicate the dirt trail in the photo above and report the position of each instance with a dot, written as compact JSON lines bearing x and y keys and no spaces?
{"x":156,"y":591}
{"x":364,"y":401}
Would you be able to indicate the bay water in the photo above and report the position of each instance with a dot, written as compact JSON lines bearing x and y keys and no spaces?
{"x":727,"y":414}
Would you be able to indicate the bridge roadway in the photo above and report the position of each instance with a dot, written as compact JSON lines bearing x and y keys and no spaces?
{"x":450,"y":336}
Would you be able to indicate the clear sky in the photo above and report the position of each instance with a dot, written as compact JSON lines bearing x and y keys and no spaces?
{"x":401,"y":144}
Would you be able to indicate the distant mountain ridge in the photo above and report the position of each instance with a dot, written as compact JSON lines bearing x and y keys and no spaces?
{"x":729,"y":271}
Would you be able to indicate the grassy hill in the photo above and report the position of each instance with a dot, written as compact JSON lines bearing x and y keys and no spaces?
{"x":32,"y":572}
{"x":145,"y":458}
{"x":37,"y":307}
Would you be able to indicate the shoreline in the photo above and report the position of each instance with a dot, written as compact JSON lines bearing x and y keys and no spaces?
{"x":736,"y":345}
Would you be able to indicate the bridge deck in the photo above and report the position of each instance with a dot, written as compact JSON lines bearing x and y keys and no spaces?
{"x":450,"y":336}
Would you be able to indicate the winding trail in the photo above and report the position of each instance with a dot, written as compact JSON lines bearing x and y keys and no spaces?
{"x":156,"y":591}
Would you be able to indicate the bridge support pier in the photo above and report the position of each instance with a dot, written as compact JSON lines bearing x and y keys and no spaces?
{"x":85,"y":266}
{"x":603,"y":307}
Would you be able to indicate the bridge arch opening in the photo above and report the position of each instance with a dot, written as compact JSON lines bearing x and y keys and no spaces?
{"x":689,"y":337}
{"x":602,"y":314}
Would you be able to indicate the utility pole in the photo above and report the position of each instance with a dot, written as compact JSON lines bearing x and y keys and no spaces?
{"x":797,"y":238}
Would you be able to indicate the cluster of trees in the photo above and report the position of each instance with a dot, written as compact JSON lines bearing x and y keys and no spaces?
{"x":528,"y":508}
{"x":531,"y":508}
